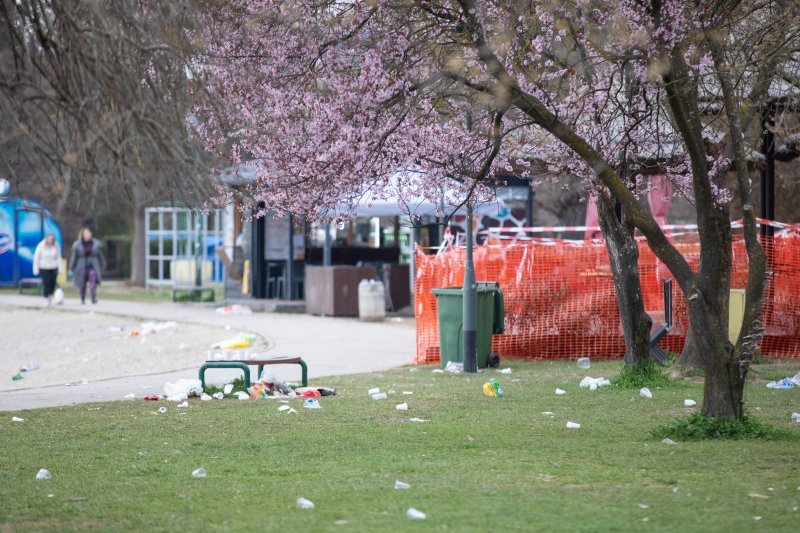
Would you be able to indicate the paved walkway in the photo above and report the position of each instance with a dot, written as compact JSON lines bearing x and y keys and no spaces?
{"x":330,"y":346}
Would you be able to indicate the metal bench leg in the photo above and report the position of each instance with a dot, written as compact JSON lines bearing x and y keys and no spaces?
{"x":305,"y":372}
{"x":225,"y":364}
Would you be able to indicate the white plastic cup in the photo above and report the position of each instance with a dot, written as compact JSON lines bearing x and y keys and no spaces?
{"x":583,"y":362}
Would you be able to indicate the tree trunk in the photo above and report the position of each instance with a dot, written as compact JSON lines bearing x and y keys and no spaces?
{"x":689,"y":357}
{"x":138,"y":263}
{"x":623,"y":254}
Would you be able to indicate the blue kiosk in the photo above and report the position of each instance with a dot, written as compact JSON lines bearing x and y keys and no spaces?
{"x":23,"y":224}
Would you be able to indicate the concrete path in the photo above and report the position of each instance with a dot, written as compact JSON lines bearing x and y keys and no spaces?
{"x":330,"y":346}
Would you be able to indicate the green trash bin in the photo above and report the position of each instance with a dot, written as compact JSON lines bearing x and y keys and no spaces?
{"x":491,"y":315}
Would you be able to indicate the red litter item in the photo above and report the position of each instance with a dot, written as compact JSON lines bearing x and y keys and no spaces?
{"x":153,"y":398}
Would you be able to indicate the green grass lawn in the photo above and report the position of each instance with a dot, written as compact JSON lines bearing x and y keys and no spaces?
{"x":116,"y":290}
{"x":477,"y":463}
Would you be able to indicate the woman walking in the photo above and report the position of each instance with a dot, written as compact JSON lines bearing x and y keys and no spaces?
{"x":46,"y":263}
{"x":86,"y":261}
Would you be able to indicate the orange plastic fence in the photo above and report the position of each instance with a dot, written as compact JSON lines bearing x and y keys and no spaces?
{"x":560,"y":301}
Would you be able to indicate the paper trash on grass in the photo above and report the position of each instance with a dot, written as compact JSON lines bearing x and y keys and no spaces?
{"x":228,"y":388}
{"x":415,"y":419}
{"x":303,"y":503}
{"x":560,"y":392}
{"x":454,"y":368}
{"x":376,"y":390}
{"x":594,"y":383}
{"x":415,"y":514}
{"x":573,"y":425}
{"x":206,"y":398}
{"x":17,"y":419}
{"x":43,"y":473}
{"x":668,"y":441}
{"x":795,"y":417}
{"x":689,"y":403}
{"x":505,"y":370}
{"x":401,"y":485}
{"x":401,"y":406}
{"x":644,"y":392}
{"x":182,"y":405}
{"x":380,"y":396}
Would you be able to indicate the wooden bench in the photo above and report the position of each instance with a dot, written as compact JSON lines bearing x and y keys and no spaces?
{"x":244,"y":366}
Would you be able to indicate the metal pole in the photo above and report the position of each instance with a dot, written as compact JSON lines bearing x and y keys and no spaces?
{"x":198,"y":265}
{"x":470,"y":305}
{"x":326,"y":250}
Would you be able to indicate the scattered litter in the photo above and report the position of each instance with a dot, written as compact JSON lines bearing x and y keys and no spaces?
{"x":228,"y":388}
{"x":129,"y":396}
{"x":415,"y":514}
{"x":415,"y":419}
{"x":218,"y":395}
{"x":17,"y":419}
{"x":668,"y":441}
{"x":437,"y":371}
{"x":560,"y":392}
{"x":206,"y":398}
{"x":286,"y":408}
{"x":689,"y":403}
{"x":182,"y":405}
{"x":199,"y":473}
{"x":756,"y":518}
{"x":493,"y":388}
{"x":30,"y":367}
{"x":757,"y":495}
{"x":644,"y":392}
{"x":548,"y":413}
{"x":114,"y":329}
{"x":584,"y":362}
{"x":573,"y":425}
{"x":51,"y":495}
{"x":43,"y":473}
{"x":162,"y":410}
{"x":795,"y":417}
{"x":401,"y":406}
{"x":155,"y":327}
{"x":517,"y":380}
{"x":235,"y":309}
{"x":391,"y":391}
{"x":376,"y":390}
{"x":16,"y":377}
{"x":380,"y":396}
{"x":242,"y":395}
{"x":505,"y":370}
{"x":243,"y":340}
{"x":454,"y":368}
{"x":643,"y":506}
{"x":400,"y":485}
{"x":594,"y":383}
{"x":311,"y":403}
{"x":153,"y":398}
{"x":407,"y":393}
{"x":302,"y":503}
{"x":182,"y":387}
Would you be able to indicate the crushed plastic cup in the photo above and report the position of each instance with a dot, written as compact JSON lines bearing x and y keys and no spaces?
{"x":795,"y":417}
{"x":573,"y":425}
{"x":43,"y":473}
{"x":401,"y":406}
{"x":311,"y":403}
{"x":218,"y":395}
{"x":415,"y":514}
{"x":228,"y":388}
{"x":399,"y":485}
{"x":584,"y":362}
{"x":242,"y":395}
{"x":303,"y":503}
{"x":162,"y":410}
{"x":785,"y":383}
{"x":380,"y":396}
{"x":594,"y":383}
{"x":286,"y":408}
{"x":668,"y":441}
{"x":184,"y":404}
{"x":505,"y":370}
{"x":417,"y":420}
{"x":199,"y":473}
{"x":407,"y":393}
{"x":376,"y":390}
{"x":130,"y":396}
{"x":206,"y":398}
{"x":689,"y":403}
{"x":560,"y":392}
{"x":644,"y":392}
{"x":18,"y":419}
{"x":454,"y":368}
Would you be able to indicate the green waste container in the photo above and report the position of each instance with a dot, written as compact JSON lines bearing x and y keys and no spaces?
{"x":491,"y":315}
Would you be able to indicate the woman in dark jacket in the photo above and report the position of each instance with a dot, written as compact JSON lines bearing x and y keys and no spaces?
{"x":86,"y":261}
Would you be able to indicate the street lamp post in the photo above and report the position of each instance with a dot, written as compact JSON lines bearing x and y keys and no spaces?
{"x":470,"y":310}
